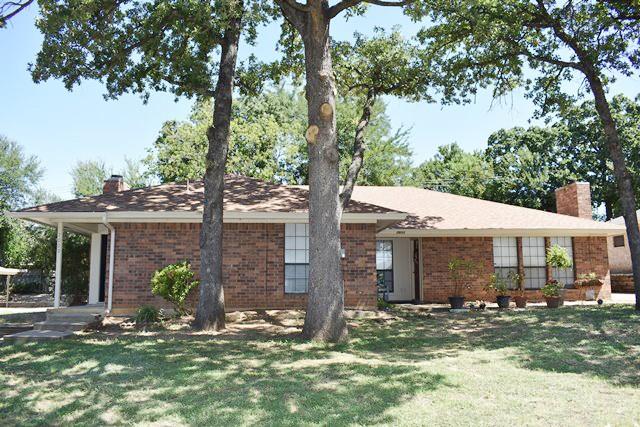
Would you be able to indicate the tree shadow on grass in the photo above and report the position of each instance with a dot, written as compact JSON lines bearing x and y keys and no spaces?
{"x":201,"y":381}
{"x":599,"y":341}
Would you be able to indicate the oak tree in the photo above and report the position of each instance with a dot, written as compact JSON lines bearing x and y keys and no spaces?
{"x":267,"y":141}
{"x":138,"y":47}
{"x":491,"y":42}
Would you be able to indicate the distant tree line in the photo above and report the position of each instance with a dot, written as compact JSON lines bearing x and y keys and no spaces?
{"x":523,"y":166}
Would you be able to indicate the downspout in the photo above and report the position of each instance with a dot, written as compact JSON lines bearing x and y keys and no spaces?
{"x":112,"y":247}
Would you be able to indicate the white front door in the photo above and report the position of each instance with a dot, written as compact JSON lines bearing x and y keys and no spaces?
{"x":403,"y":280}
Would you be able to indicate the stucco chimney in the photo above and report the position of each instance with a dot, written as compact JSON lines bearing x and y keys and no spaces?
{"x":575,"y":200}
{"x":114,"y":184}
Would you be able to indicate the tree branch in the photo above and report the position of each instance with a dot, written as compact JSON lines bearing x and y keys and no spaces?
{"x":6,"y":13}
{"x":359,"y":147}
{"x":346,"y":4}
{"x":293,"y":12}
{"x":298,"y":6}
{"x":549,"y":60}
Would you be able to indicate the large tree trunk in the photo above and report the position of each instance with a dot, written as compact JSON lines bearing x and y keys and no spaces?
{"x":210,"y":313}
{"x":324,"y":320}
{"x":623,"y":178}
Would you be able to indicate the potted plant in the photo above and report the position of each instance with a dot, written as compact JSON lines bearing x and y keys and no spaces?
{"x":588,"y":282}
{"x":551,"y":291}
{"x":499,"y":285}
{"x":519,"y":298}
{"x":557,"y":257}
{"x":461,"y":272}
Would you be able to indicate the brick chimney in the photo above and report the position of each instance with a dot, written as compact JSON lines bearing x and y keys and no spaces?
{"x":114,"y":184}
{"x":575,"y":200}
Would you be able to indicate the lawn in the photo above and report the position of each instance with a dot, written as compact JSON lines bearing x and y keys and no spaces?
{"x":570,"y":366}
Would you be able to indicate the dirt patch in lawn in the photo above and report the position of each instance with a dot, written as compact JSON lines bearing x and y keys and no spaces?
{"x":240,"y":324}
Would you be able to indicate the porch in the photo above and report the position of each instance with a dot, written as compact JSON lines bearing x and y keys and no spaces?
{"x":101,"y":236}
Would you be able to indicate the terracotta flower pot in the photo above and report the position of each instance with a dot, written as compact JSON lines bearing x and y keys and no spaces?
{"x":553,"y":302}
{"x":521,"y":301}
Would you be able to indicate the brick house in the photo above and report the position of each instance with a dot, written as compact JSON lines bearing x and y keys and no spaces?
{"x":399,"y":238}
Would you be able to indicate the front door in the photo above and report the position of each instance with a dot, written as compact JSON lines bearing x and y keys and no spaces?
{"x":396,"y":274}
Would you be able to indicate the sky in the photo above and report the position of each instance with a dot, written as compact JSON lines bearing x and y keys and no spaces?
{"x":62,"y":127}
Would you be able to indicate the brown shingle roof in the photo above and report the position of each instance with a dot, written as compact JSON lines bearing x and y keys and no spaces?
{"x":241,"y":194}
{"x":433,"y":210}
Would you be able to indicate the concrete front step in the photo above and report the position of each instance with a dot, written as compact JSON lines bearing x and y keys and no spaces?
{"x":14,"y":328}
{"x":73,"y":317}
{"x":91,"y":309}
{"x":50,"y":325}
{"x":37,"y":336}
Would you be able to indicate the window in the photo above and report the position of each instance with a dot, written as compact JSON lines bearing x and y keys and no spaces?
{"x":296,"y":258}
{"x":534,"y":262}
{"x":618,"y":241}
{"x":505,"y":258}
{"x":384,"y":265}
{"x":564,"y":275}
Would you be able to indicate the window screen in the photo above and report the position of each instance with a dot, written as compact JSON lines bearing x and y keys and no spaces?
{"x":534,"y":262}
{"x":296,"y":258}
{"x":564,"y":275}
{"x":384,"y":265}
{"x":505,"y":257}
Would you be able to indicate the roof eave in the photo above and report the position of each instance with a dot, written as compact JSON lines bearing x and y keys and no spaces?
{"x":501,"y":232}
{"x":51,"y":218}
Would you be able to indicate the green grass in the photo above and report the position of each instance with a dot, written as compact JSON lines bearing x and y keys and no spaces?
{"x":571,"y":366}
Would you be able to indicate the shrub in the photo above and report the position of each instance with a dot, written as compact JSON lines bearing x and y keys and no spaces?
{"x":173,"y":283}
{"x":384,"y":305}
{"x":147,"y":314}
{"x":552,"y":288}
{"x":498,"y":284}
{"x":587,"y":279}
{"x":558,"y":257}
{"x":462,"y":272}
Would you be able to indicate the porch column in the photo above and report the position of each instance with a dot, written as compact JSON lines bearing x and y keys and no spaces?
{"x":94,"y":268}
{"x":56,"y":292}
{"x":112,"y":248}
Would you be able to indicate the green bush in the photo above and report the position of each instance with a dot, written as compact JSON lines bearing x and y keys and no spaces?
{"x":384,"y":305}
{"x":558,"y":257}
{"x":173,"y":283}
{"x":498,"y":284}
{"x":147,"y":314}
{"x":552,"y":289}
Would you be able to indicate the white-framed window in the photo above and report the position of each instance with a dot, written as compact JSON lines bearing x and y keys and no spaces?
{"x":384,"y":265}
{"x":564,"y":275}
{"x":534,"y":260}
{"x":296,"y":258}
{"x":505,"y":258}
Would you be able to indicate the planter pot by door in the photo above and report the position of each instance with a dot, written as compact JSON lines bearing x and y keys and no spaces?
{"x":553,"y":302}
{"x":503,"y":301}
{"x":521,"y":301}
{"x":456,"y":302}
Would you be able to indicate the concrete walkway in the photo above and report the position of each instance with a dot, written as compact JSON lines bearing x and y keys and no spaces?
{"x":622,"y":299}
{"x":21,"y":310}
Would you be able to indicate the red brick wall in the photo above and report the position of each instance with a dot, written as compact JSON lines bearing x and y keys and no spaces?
{"x":590,"y":255}
{"x":438,"y":251}
{"x":622,"y":283}
{"x":253,"y":264}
